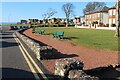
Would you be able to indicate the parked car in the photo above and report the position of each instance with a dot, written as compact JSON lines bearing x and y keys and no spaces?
{"x":20,"y":27}
{"x":16,"y":27}
{"x":25,"y":27}
{"x":11,"y":28}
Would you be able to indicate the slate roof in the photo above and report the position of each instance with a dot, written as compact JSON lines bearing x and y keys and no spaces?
{"x":100,"y":9}
{"x":114,"y":7}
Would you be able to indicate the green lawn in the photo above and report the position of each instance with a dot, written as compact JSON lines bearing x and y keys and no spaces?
{"x":99,"y":39}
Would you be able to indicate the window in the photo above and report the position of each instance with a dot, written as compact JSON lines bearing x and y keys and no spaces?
{"x":110,"y":12}
{"x":114,"y":12}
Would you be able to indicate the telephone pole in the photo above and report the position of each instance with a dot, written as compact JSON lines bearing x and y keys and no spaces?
{"x":117,"y":19}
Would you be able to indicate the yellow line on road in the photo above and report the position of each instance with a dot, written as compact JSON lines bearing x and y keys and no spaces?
{"x":37,"y":67}
{"x":28,"y":62}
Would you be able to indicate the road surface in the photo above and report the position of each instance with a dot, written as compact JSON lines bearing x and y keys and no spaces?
{"x":18,"y":61}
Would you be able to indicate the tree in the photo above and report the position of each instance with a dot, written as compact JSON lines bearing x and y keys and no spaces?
{"x":117,"y":19}
{"x":48,"y":15}
{"x":91,"y":6}
{"x":68,"y":10}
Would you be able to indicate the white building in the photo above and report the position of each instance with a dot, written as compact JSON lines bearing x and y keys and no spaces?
{"x":112,"y":16}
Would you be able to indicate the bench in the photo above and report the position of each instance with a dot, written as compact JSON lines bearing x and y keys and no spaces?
{"x":58,"y":34}
{"x":33,"y":31}
{"x":42,"y":31}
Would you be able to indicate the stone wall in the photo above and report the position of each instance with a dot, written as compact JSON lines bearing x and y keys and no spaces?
{"x":41,"y":52}
{"x":80,"y":75}
{"x":72,"y":69}
{"x":63,"y":66}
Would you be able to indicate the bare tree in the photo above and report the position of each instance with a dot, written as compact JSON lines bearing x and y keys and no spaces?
{"x":48,"y":14}
{"x":68,"y":10}
{"x":117,"y":19}
{"x":91,"y":6}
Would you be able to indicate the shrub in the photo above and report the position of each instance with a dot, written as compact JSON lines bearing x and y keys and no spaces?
{"x":71,"y":25}
{"x":61,"y":25}
{"x":79,"y":24}
{"x":55,"y":25}
{"x":41,"y":25}
{"x":86,"y":25}
{"x":96,"y":22}
{"x":113,"y":25}
{"x":107,"y":25}
{"x":101,"y":24}
{"x":93,"y":23}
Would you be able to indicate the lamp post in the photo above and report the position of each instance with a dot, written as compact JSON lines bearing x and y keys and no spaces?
{"x":117,"y":19}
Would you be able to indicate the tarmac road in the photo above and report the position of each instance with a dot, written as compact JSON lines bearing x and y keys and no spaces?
{"x":16,"y":64}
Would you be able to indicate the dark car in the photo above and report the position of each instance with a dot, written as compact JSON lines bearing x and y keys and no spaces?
{"x":25,"y":27}
{"x":20,"y":27}
{"x":16,"y":28}
{"x":11,"y":28}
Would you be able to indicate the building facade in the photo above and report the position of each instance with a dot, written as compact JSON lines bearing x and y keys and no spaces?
{"x":33,"y":21}
{"x":76,"y":20}
{"x":112,"y":16}
{"x":98,"y":16}
{"x":23,"y":21}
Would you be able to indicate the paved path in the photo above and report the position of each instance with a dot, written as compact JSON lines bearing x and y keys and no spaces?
{"x":92,"y":58}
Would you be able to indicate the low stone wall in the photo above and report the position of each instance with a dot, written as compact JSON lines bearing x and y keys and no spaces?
{"x":73,"y":69}
{"x":63,"y":66}
{"x":80,"y":75}
{"x":41,"y":52}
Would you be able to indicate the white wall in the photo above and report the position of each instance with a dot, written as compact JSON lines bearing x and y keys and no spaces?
{"x":110,"y":22}
{"x":105,"y":18}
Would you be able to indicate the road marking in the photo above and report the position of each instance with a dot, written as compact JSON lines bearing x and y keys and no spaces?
{"x":28,"y":62}
{"x":37,"y":67}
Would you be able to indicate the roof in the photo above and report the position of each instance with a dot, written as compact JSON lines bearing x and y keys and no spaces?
{"x":112,"y":7}
{"x":100,"y":9}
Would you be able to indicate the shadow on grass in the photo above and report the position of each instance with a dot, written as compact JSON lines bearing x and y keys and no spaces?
{"x":105,"y":73}
{"x":64,"y":37}
{"x":70,"y":38}
{"x":48,"y":33}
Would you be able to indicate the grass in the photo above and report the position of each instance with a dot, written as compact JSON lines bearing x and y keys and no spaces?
{"x":98,"y":39}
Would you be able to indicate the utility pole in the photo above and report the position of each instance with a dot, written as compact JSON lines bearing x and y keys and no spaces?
{"x":117,"y":19}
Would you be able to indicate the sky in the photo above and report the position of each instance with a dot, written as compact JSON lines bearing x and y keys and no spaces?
{"x":15,"y":11}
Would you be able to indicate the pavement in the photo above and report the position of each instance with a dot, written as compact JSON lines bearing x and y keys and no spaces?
{"x":16,"y":65}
